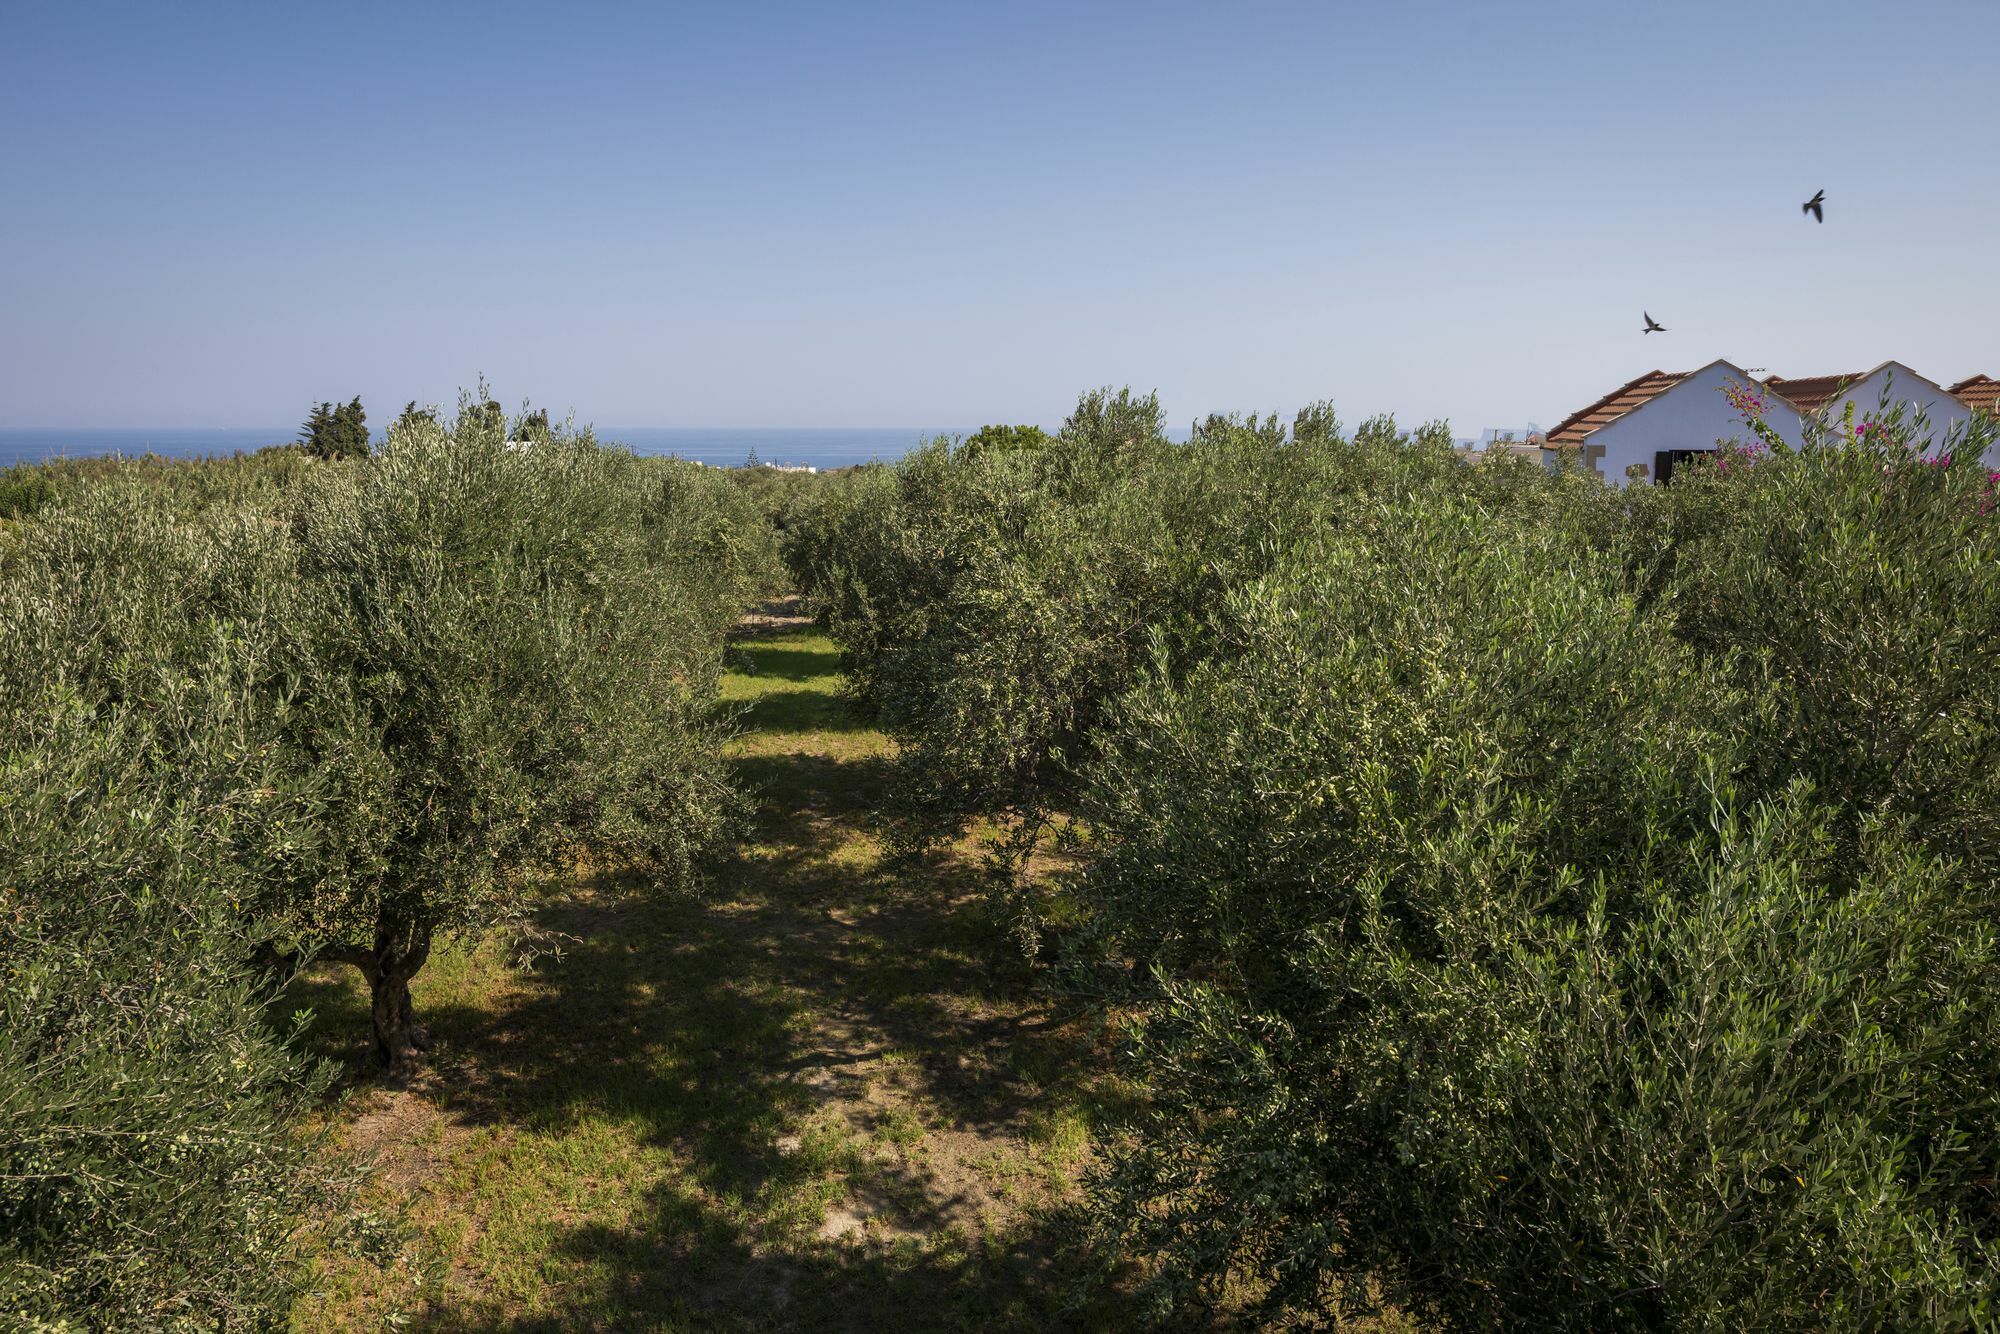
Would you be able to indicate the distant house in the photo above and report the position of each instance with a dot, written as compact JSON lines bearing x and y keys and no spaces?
{"x":1867,"y":390}
{"x":1501,"y":444}
{"x":1643,"y":429}
{"x":1509,"y":435}
{"x":1981,"y":393}
{"x":1506,"y":446}
{"x":1497,"y":445}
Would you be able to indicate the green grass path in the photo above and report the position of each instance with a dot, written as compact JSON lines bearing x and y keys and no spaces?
{"x":822,"y":1097}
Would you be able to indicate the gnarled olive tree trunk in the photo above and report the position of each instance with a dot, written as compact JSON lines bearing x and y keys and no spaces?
{"x":398,"y":954}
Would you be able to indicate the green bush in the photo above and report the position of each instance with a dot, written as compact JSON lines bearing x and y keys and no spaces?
{"x":23,"y":491}
{"x":991,"y":603}
{"x":149,"y":1177}
{"x":1858,"y":587}
{"x":264,"y":710}
{"x":1529,"y":902}
{"x":1468,"y":969}
{"x":744,"y":521}
{"x":777,"y":494}
{"x":257,"y":478}
{"x":514,"y":660}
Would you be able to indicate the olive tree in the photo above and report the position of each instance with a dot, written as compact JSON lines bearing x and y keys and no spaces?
{"x":513,"y":657}
{"x":1856,"y":581}
{"x":151,"y":1174}
{"x":1535,"y":902}
{"x":1484,"y":962}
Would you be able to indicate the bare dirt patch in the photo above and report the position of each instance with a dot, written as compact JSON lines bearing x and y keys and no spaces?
{"x":396,"y":1129}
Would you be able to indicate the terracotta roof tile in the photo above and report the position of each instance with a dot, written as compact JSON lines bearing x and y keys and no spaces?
{"x":1980,"y":393}
{"x":1810,"y":393}
{"x":1613,"y":406}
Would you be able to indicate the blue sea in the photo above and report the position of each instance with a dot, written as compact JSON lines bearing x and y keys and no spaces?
{"x":730,"y":446}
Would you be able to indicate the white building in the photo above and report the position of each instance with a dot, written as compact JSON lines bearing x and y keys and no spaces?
{"x":1891,"y":383}
{"x":1640,"y":430}
{"x":1643,"y":429}
{"x":1981,"y":393}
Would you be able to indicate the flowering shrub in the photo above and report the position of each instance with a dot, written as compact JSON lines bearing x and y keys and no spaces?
{"x":1752,"y":404}
{"x":1751,"y":401}
{"x":1731,"y":457}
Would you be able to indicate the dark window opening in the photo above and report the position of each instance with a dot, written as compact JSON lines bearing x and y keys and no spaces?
{"x":1666,"y":460}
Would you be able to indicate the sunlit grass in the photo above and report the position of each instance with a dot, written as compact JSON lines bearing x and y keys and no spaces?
{"x":824,"y":1095}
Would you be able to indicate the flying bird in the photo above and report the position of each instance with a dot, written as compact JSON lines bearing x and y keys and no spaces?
{"x":1812,"y":206}
{"x":1652,"y":325}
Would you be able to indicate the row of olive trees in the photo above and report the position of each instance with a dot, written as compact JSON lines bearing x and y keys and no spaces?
{"x":1522,"y":902}
{"x":341,"y":721}
{"x":991,"y":603}
{"x":148,"y":1175}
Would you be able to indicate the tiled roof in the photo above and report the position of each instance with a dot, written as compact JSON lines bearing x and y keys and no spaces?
{"x":1809,"y":393}
{"x":1980,"y":393}
{"x":1613,"y":406}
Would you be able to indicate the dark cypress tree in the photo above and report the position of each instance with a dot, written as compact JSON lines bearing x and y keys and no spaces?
{"x":535,"y":426}
{"x":336,"y":432}
{"x":350,"y":431}
{"x":412,"y":415}
{"x":317,"y":434}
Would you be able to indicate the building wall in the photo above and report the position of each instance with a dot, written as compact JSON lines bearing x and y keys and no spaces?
{"x":1913,"y":391}
{"x":1693,"y":414}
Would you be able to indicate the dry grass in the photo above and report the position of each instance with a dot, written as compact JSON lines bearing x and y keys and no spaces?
{"x":824,"y":1097}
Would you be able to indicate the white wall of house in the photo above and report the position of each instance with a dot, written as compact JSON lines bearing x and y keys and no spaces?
{"x":1693,"y":414}
{"x":1913,"y":391}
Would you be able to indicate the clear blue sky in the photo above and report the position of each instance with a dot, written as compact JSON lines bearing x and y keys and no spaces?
{"x":821,"y":214}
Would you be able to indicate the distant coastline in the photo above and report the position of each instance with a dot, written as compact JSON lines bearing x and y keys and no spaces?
{"x":725,"y":446}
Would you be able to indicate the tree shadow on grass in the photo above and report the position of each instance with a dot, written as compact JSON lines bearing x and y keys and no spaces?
{"x":690,"y":1270}
{"x":782,"y":660}
{"x":802,"y":710}
{"x":717,"y":1035}
{"x":712,"y":1037}
{"x":810,"y":1100}
{"x":790,"y":789}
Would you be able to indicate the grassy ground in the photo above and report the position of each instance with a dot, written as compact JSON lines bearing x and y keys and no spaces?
{"x":824,"y":1097}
